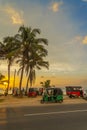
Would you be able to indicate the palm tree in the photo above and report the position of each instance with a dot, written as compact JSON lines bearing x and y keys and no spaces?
{"x":30,"y":52}
{"x":46,"y":84}
{"x":22,"y":37}
{"x":36,"y":59}
{"x":9,"y":47}
{"x":26,"y":37}
{"x":35,"y":62}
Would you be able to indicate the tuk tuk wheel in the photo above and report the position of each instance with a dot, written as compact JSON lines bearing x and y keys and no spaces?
{"x":58,"y":101}
{"x":70,"y":96}
{"x":61,"y":101}
{"x":41,"y":101}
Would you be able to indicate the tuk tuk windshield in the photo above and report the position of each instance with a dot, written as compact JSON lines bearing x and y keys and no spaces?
{"x":54,"y":91}
{"x":32,"y":89}
{"x":73,"y":88}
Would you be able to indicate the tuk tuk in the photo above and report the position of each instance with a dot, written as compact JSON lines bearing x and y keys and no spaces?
{"x":52,"y":95}
{"x":32,"y":92}
{"x":74,"y":91}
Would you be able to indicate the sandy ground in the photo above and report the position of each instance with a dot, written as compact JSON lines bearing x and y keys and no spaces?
{"x":10,"y":101}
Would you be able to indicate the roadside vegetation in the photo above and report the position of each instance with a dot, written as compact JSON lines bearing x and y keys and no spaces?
{"x":46,"y":84}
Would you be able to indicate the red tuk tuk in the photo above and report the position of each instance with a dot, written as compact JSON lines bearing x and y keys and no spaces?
{"x":32,"y":92}
{"x":74,"y":91}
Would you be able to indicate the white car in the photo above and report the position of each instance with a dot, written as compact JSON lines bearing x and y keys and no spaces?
{"x":85,"y":94}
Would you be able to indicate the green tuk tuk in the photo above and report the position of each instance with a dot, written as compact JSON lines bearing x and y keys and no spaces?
{"x":52,"y":95}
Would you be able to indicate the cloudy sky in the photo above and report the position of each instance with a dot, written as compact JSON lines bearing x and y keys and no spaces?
{"x":63,"y":23}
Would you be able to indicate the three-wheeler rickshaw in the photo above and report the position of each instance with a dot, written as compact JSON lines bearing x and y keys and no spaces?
{"x":52,"y":95}
{"x":32,"y":92}
{"x":74,"y":91}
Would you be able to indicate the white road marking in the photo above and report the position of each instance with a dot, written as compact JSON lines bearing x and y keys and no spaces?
{"x":51,"y":113}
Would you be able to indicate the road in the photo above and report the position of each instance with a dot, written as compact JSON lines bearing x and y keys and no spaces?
{"x":45,"y":117}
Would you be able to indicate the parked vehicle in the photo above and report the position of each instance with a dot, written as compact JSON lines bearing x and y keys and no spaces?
{"x":40,"y":91}
{"x":74,"y":91}
{"x":32,"y":92}
{"x":85,"y":94}
{"x":52,"y":95}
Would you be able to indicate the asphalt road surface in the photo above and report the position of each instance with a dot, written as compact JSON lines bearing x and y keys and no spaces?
{"x":48,"y":117}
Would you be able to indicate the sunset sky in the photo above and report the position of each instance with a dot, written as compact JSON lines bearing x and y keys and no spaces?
{"x":64,"y":24}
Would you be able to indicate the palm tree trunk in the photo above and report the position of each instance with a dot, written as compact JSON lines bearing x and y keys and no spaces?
{"x":8,"y":77}
{"x":27,"y":83}
{"x":20,"y":84}
{"x":31,"y":76}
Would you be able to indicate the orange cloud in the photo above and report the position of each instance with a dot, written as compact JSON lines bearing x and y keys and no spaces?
{"x":84,"y":41}
{"x":15,"y":16}
{"x":55,"y":6}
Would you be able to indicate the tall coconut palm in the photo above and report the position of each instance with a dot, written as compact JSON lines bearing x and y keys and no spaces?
{"x":35,"y":61}
{"x":28,"y":41}
{"x":9,"y":48}
{"x":23,"y":37}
